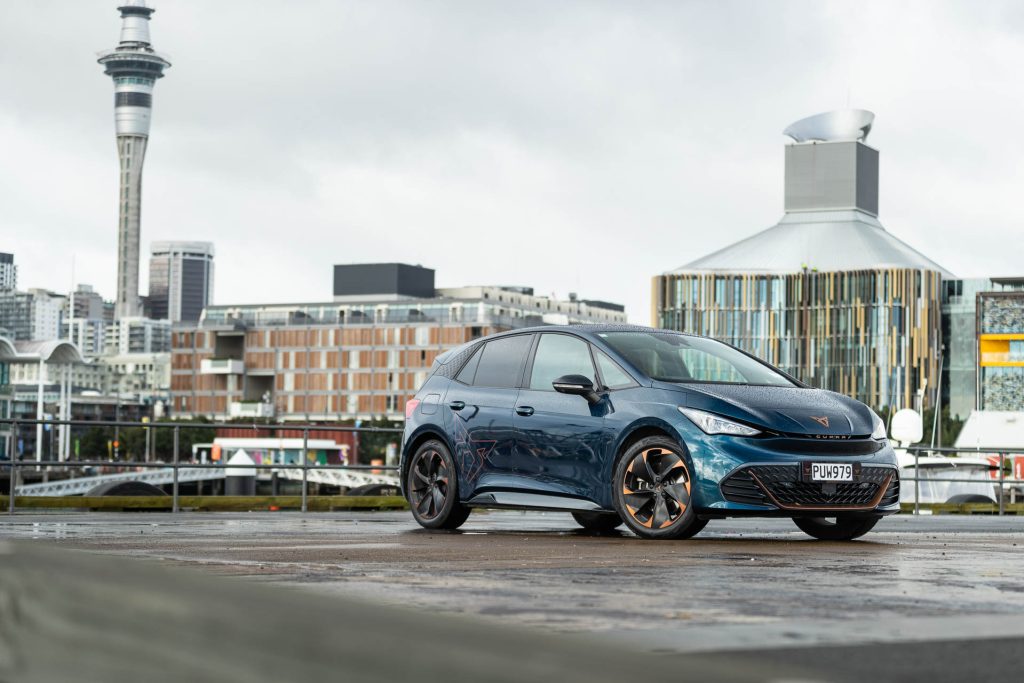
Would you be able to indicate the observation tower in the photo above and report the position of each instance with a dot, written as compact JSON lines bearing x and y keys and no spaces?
{"x":135,"y":67}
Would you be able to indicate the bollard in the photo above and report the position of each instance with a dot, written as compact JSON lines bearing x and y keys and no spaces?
{"x":917,"y":483}
{"x":240,"y":480}
{"x":305,"y":465}
{"x":1002,"y":477}
{"x":13,"y":481}
{"x":174,"y":488}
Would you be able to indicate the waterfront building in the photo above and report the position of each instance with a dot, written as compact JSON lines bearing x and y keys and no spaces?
{"x":180,"y":280}
{"x":142,"y":376}
{"x":134,"y":67}
{"x":827,"y":294}
{"x":360,"y":356}
{"x":8,"y":272}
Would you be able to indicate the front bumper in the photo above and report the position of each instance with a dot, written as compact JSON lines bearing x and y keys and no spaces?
{"x":786,"y":487}
{"x":767,"y":477}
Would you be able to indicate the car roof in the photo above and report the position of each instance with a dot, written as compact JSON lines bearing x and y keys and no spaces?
{"x":590,"y":330}
{"x":586,"y":329}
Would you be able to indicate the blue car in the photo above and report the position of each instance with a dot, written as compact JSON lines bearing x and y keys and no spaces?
{"x":656,"y":430}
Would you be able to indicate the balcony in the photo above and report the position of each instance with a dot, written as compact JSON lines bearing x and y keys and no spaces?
{"x":221,"y":366}
{"x":250,"y":409}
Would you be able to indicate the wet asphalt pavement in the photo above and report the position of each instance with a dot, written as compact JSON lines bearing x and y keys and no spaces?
{"x":919,"y":598}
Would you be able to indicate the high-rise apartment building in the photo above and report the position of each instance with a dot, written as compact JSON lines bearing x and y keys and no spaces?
{"x":135,"y":67}
{"x":180,"y":280}
{"x":361,"y":355}
{"x":33,"y":315}
{"x":8,"y":272}
{"x":137,"y":335}
{"x":88,"y":303}
{"x":826,"y":294}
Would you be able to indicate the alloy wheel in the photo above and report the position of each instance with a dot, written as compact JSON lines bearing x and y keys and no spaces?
{"x":656,"y":488}
{"x":429,"y":484}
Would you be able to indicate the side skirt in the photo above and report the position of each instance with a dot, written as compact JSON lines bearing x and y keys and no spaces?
{"x":531,"y":501}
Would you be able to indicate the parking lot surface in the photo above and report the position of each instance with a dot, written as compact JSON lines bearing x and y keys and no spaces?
{"x":751,"y":588}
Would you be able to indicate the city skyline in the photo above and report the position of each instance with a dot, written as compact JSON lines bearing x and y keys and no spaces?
{"x":402,"y":138}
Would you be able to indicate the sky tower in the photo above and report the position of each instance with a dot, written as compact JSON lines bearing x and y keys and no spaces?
{"x":134,"y":66}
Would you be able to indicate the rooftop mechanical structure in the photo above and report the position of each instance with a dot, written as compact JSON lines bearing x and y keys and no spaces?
{"x":135,"y":68}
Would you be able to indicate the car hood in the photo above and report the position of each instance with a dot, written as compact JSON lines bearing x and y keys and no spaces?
{"x":791,"y":410}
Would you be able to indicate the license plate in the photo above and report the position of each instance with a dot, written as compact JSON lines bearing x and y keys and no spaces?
{"x":830,"y":471}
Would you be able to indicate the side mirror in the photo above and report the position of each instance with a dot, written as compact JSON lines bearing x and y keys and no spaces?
{"x":577,"y":385}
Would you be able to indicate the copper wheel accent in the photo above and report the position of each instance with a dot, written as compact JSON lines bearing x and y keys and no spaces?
{"x":656,"y":488}
{"x":428,"y":484}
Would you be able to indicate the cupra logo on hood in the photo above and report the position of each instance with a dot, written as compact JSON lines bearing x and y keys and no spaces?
{"x":823,"y":421}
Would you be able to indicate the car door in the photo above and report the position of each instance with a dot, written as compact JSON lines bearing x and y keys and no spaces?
{"x":480,"y":405}
{"x":561,"y":437}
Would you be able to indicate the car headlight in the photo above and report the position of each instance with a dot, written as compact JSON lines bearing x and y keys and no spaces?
{"x":879,"y":432}
{"x":713,"y":424}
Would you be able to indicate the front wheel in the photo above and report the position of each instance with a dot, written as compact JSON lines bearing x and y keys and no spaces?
{"x":838,"y":529}
{"x":433,"y":486}
{"x":652,"y":491}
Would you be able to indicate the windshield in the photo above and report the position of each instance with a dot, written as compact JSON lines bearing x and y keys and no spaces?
{"x":678,"y":358}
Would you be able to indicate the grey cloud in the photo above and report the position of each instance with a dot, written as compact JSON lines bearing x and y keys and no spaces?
{"x":498,"y":141}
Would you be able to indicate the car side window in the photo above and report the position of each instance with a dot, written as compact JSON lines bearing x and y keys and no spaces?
{"x":558,"y":355}
{"x":501,"y":361}
{"x":614,"y":377}
{"x":468,"y":371}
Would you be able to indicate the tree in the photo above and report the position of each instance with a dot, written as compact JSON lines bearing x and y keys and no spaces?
{"x":92,"y":445}
{"x":187,"y":437}
{"x":373,"y":445}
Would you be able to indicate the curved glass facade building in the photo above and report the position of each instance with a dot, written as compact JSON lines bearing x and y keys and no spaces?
{"x":826,"y":294}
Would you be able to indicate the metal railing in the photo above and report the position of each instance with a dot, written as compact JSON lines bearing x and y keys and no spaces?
{"x":999,"y":484}
{"x":15,"y":465}
{"x":1003,"y":455}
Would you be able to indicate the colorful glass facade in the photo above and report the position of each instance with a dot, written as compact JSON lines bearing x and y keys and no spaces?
{"x":871,"y":334}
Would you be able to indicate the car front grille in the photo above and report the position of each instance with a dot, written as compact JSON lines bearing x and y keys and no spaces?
{"x":781,"y":485}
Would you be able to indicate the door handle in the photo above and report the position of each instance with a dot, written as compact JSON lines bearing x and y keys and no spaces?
{"x":525,"y":411}
{"x":457,"y":405}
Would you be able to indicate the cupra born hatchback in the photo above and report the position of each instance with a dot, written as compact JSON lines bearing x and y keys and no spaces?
{"x":658,"y":430}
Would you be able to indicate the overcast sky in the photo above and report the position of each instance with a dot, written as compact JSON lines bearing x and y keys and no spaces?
{"x":567,"y":146}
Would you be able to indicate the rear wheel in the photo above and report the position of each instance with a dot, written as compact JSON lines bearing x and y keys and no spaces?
{"x":434,"y":489}
{"x":652,"y":491}
{"x":598,"y":521}
{"x":836,"y":529}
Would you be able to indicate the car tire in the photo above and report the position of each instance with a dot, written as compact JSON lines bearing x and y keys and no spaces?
{"x":652,"y":487}
{"x":600,"y":522}
{"x":432,"y":483}
{"x":842,"y":529}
